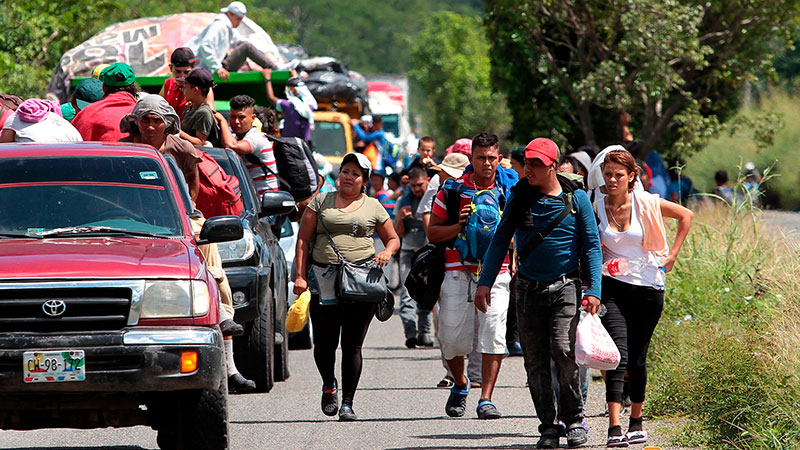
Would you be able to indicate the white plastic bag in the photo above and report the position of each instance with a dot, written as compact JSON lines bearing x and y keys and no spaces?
{"x":594,"y":347}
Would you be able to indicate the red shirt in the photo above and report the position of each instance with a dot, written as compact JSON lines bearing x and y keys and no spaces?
{"x":174,"y":96}
{"x":452,"y":260}
{"x":100,"y":120}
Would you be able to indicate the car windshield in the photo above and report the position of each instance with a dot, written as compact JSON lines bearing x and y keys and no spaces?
{"x":52,"y":196}
{"x":329,"y":139}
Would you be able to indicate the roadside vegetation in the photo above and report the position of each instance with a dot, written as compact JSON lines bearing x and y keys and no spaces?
{"x":726,"y":352}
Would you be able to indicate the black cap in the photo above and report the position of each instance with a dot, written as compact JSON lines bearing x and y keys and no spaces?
{"x":293,"y":82}
{"x":183,"y":57}
{"x":200,"y":77}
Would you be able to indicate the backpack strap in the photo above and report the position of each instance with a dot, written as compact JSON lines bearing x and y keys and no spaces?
{"x":539,"y":238}
{"x":251,"y":158}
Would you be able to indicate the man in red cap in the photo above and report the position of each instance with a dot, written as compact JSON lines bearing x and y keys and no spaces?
{"x":555,"y":231}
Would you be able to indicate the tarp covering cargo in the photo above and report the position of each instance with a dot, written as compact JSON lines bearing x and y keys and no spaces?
{"x":146,"y":44}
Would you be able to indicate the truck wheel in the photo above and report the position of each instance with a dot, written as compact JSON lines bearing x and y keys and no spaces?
{"x":260,"y":344}
{"x":302,"y":339}
{"x":199,"y":420}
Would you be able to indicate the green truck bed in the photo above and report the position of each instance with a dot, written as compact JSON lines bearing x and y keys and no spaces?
{"x":249,"y":83}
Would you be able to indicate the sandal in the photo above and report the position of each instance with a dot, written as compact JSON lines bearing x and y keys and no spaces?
{"x":457,"y":401}
{"x":330,"y":400}
{"x":487,"y":410}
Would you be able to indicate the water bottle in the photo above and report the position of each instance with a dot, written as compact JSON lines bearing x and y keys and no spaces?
{"x":616,"y":267}
{"x":661,"y":278}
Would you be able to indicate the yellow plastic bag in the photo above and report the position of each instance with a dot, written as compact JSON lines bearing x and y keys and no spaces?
{"x":297,"y":316}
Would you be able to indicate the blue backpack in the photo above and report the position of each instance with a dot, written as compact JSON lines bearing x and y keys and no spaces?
{"x":486,"y":210}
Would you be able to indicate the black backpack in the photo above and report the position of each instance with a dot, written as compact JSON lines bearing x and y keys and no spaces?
{"x":297,"y":169}
{"x":425,"y":278}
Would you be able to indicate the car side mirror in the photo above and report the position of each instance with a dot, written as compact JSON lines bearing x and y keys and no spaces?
{"x":276,"y":203}
{"x":221,"y":229}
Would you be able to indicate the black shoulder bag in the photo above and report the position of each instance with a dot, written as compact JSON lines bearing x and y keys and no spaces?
{"x":362,"y":282}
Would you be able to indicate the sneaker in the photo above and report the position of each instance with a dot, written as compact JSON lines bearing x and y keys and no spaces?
{"x":457,"y":401}
{"x":617,"y":441}
{"x":447,"y":381}
{"x":346,"y":414}
{"x":330,"y":400}
{"x":561,"y":428}
{"x":238,"y":383}
{"x":636,"y":437}
{"x":549,"y":439}
{"x":576,"y":435}
{"x":423,"y":340}
{"x":411,"y":342}
{"x":231,"y":328}
{"x":487,"y":410}
{"x":515,"y":349}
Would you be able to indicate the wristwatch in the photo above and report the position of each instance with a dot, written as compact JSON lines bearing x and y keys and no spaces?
{"x":267,"y":80}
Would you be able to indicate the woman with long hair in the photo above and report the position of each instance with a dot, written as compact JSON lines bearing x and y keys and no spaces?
{"x":636,"y":259}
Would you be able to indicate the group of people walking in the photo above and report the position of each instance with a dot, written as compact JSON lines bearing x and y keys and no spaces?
{"x":546,"y":256}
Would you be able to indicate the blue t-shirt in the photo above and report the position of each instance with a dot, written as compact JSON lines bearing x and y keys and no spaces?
{"x":560,"y":253}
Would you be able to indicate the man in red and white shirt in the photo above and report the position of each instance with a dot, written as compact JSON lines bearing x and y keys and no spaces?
{"x":250,"y":140}
{"x":456,"y":311}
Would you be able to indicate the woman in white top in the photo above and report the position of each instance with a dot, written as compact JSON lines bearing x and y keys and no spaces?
{"x":37,"y":120}
{"x":636,"y":257}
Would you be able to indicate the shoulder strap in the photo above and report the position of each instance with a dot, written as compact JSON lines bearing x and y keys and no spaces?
{"x":255,"y":160}
{"x":539,"y":238}
{"x":324,"y":228}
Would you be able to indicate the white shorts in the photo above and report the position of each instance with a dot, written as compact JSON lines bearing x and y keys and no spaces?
{"x":457,"y":316}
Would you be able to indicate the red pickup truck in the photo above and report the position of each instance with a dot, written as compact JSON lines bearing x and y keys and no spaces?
{"x":108,"y":316}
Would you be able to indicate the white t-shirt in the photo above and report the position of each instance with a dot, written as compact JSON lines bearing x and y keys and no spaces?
{"x":52,"y":129}
{"x":262,"y":149}
{"x":426,"y":204}
{"x":628,"y":245}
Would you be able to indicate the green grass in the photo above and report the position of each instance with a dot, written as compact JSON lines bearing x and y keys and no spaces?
{"x":729,"y":153}
{"x":727,"y":348}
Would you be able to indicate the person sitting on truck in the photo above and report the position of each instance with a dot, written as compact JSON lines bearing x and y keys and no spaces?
{"x":297,"y":108}
{"x":375,"y":140}
{"x":426,"y":150}
{"x":199,"y":124}
{"x":88,"y":91}
{"x":181,"y":63}
{"x":250,"y":142}
{"x":221,"y":50}
{"x":99,"y":121}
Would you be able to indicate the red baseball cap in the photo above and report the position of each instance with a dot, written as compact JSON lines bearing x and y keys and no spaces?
{"x":542,"y":149}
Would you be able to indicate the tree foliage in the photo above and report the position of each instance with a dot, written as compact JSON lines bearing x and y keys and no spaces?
{"x":369,"y":36}
{"x":37,"y":32}
{"x":570,"y":67}
{"x":452,"y":70}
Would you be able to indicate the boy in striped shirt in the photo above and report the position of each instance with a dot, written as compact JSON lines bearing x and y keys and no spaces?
{"x":250,"y":140}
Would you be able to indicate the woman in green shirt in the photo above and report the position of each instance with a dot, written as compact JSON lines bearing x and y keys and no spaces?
{"x":352,"y":218}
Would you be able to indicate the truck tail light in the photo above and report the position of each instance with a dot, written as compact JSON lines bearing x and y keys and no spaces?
{"x":188,"y":362}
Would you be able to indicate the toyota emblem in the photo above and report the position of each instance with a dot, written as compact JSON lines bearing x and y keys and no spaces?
{"x":54,"y":308}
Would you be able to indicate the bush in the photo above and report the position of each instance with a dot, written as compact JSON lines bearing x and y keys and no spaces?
{"x":726,"y":350}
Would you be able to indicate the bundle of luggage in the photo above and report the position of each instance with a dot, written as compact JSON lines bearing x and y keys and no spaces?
{"x":330,"y":81}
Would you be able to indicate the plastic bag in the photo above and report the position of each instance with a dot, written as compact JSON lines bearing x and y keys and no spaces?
{"x":297,"y":316}
{"x":594,"y":347}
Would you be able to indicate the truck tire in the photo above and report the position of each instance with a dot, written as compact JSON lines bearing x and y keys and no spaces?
{"x":197,"y":420}
{"x":281,"y":338}
{"x":259,"y":344}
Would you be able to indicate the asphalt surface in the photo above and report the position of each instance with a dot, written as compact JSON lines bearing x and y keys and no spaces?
{"x":397,"y":402}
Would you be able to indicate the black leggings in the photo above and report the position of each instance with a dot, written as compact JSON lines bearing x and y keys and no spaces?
{"x":353,"y":320}
{"x":633,"y":313}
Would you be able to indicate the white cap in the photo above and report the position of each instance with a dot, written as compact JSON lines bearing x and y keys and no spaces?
{"x":360,"y":159}
{"x":366,"y":118}
{"x":237,"y":8}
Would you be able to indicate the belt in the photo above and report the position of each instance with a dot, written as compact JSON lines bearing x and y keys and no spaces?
{"x":562,"y":279}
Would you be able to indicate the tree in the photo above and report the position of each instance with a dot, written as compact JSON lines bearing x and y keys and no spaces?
{"x":571,"y":67}
{"x":36,"y":33}
{"x":452,"y":70}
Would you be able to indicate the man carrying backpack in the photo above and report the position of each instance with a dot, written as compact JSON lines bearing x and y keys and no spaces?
{"x":408,"y":225}
{"x":554,"y":230}
{"x":456,"y":310}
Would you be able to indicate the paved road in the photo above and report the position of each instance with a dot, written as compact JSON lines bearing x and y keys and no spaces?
{"x":398,"y":403}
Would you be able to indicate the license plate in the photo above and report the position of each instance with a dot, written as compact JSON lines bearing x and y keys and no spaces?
{"x":53,"y":366}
